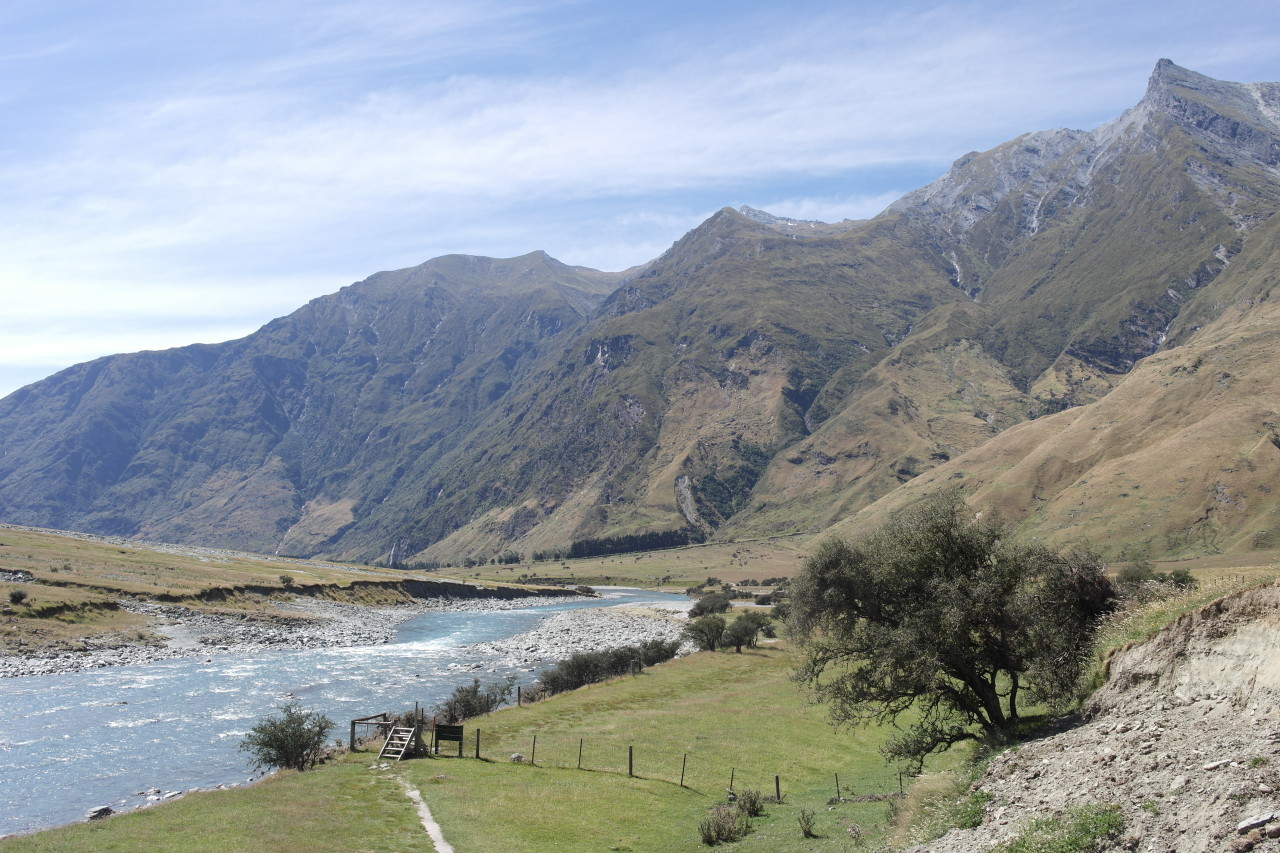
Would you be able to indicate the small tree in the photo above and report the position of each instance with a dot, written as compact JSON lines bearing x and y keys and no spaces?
{"x":744,"y":630}
{"x":286,"y":581}
{"x":472,"y":700}
{"x":947,"y":614}
{"x":17,"y":596}
{"x":292,"y":741}
{"x":705,"y":632}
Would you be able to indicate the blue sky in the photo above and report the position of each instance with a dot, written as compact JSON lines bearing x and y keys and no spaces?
{"x":173,"y":173}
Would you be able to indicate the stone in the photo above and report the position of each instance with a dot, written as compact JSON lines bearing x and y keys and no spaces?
{"x":1256,"y":821}
{"x":99,"y":813}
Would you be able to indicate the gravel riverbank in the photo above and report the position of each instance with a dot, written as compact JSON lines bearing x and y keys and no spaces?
{"x":306,"y":623}
{"x":570,"y":631}
{"x":303,"y":623}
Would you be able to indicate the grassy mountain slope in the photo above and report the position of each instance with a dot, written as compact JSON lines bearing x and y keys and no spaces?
{"x":1181,"y":458}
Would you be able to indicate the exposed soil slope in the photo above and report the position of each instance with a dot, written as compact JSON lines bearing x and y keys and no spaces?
{"x":1184,"y":737}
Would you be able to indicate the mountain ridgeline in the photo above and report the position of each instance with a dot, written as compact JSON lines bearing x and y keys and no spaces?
{"x":1077,"y":328}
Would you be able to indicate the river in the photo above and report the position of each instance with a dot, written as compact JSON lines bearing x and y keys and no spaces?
{"x":108,"y":737}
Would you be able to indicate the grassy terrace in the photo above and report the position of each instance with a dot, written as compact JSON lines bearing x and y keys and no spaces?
{"x":678,"y":568}
{"x":726,"y":711}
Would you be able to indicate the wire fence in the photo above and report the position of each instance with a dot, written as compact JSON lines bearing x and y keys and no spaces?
{"x":636,"y":759}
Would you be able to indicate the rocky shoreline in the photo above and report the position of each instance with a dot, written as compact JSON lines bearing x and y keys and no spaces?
{"x":303,"y":623}
{"x":307,"y":623}
{"x":571,"y":631}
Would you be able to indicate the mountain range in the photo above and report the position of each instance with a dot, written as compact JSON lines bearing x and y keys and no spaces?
{"x":1075,"y":328}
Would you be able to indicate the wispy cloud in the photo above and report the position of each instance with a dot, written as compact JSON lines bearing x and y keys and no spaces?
{"x":256,"y":155}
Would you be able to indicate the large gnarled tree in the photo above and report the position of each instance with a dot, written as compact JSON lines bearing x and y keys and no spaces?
{"x":946,"y":614}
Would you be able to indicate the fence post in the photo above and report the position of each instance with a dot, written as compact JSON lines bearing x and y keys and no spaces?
{"x":580,"y":753}
{"x":731,"y":772}
{"x":684,"y":760}
{"x":352,"y":742}
{"x":519,"y":698}
{"x":533,"y":753}
{"x":777,"y":788}
{"x":630,"y":760}
{"x":477,"y":744}
{"x":837,"y":787}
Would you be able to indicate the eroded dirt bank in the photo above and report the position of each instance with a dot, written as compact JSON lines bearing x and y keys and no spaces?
{"x":1184,"y":737}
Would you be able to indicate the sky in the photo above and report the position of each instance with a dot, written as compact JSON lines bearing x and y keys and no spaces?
{"x":173,"y":173}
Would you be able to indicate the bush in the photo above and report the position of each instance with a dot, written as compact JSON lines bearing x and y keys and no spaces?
{"x":806,"y":823}
{"x":750,"y":802}
{"x":1133,"y":575}
{"x":706,"y":632}
{"x":472,"y":700}
{"x":586,"y":668}
{"x":724,"y":823}
{"x":292,"y":741}
{"x":17,"y":596}
{"x":715,"y":602}
{"x":744,"y":630}
{"x":286,"y":581}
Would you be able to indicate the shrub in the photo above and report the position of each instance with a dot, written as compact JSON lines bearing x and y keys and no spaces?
{"x":744,"y":630}
{"x":724,"y":823}
{"x":586,"y":668}
{"x":292,"y":741}
{"x":806,"y":823}
{"x":706,"y":632}
{"x":712,"y":603}
{"x":472,"y":700}
{"x":17,"y":596}
{"x":286,"y":581}
{"x":750,"y":802}
{"x":970,"y":812}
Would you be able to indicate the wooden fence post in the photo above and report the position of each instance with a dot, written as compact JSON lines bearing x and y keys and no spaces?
{"x":580,"y":753}
{"x":777,"y":788}
{"x":731,"y":772}
{"x":837,"y":787}
{"x":477,"y":744}
{"x":684,"y":760}
{"x":533,"y":753}
{"x":630,"y":760}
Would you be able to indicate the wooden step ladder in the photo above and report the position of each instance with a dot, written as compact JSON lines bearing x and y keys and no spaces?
{"x":399,"y":741}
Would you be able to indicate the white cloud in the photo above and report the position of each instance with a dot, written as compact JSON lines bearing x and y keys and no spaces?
{"x":307,"y":145}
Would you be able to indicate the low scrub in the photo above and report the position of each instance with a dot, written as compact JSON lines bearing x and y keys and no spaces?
{"x":724,"y":823}
{"x":586,"y":668}
{"x":1082,"y":829}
